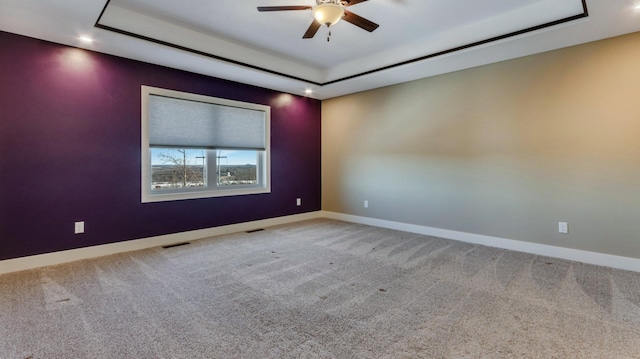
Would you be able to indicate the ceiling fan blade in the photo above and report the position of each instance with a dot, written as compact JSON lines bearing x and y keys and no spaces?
{"x":311,"y":31}
{"x":359,"y":21}
{"x":353,"y":2}
{"x":283,"y":8}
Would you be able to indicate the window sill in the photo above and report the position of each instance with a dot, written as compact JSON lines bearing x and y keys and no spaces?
{"x":164,"y":197}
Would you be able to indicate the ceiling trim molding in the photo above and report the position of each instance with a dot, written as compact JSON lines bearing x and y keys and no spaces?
{"x":193,"y":51}
{"x":584,"y":14}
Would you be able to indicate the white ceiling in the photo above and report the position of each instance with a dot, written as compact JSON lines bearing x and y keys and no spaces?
{"x":230,"y":39}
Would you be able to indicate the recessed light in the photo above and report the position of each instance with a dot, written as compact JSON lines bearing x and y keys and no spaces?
{"x":85,"y":39}
{"x":308,"y":91}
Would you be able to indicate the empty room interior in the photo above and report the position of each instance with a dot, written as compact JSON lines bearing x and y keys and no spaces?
{"x":319,"y":179}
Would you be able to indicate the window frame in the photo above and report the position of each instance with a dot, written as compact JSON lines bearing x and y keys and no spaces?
{"x":263,"y":164}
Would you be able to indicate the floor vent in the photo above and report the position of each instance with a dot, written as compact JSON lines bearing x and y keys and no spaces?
{"x":255,"y":230}
{"x":175,"y":245}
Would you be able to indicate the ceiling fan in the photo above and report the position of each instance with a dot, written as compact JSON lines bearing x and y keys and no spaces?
{"x":328,"y":13}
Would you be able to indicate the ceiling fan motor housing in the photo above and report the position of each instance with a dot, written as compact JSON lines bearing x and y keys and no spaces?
{"x":337,"y":2}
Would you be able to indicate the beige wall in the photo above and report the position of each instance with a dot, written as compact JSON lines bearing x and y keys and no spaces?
{"x":506,"y":150}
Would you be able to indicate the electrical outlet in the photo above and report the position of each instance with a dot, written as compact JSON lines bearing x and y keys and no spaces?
{"x":79,"y":227}
{"x":563,"y":227}
{"x":298,"y":202}
{"x":366,"y":204}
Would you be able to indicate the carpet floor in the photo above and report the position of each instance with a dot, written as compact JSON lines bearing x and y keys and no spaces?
{"x":321,"y":289}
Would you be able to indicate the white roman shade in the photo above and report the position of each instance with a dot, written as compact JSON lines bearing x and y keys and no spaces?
{"x":184,"y":123}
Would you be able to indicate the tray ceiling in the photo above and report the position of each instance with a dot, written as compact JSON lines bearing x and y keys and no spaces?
{"x":231,"y":39}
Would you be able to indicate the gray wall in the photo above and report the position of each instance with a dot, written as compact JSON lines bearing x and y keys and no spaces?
{"x":507,"y":150}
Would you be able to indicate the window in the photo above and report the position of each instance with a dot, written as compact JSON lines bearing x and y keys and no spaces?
{"x":196,"y":146}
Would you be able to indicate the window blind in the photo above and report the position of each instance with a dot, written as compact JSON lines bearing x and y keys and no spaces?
{"x":192,"y":124}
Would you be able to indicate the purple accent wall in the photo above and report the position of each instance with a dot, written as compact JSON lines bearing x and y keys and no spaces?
{"x":70,"y":150}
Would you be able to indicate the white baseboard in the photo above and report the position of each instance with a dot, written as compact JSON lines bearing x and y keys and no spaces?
{"x":42,"y":260}
{"x":601,"y":259}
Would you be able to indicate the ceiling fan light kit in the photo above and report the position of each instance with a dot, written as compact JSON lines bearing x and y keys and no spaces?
{"x":328,"y":12}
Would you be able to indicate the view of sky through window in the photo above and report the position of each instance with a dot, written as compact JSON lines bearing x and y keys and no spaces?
{"x":194,"y":157}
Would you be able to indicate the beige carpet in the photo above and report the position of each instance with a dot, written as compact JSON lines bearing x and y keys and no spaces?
{"x":321,"y":289}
